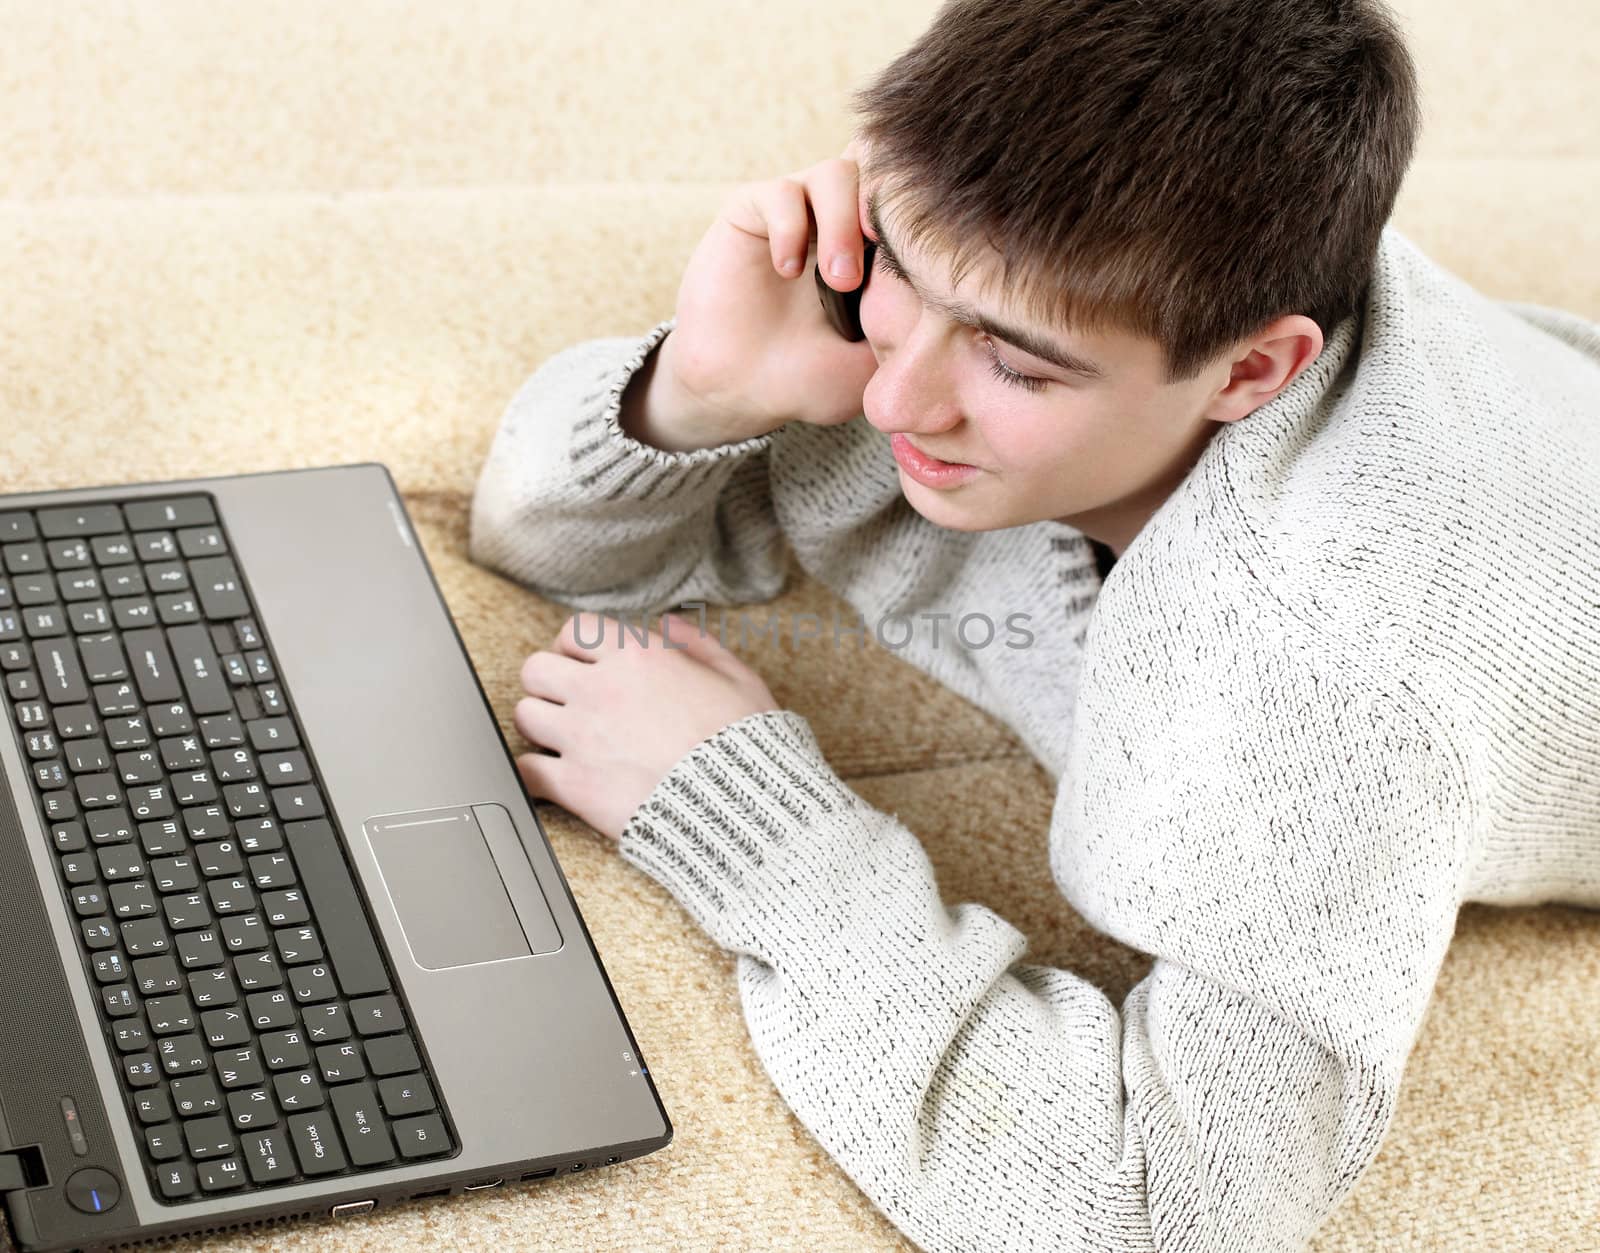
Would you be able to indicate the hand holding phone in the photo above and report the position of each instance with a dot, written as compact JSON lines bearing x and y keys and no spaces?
{"x":843,"y":308}
{"x":749,"y":351}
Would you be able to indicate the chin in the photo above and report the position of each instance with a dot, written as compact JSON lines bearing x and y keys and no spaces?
{"x":944,"y":509}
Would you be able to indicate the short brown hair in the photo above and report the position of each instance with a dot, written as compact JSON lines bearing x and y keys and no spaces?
{"x":1187,"y":170}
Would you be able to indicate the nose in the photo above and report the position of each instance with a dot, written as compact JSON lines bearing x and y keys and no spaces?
{"x":913,"y":390}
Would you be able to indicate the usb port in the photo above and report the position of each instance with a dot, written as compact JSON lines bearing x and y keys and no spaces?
{"x":484,"y":1183}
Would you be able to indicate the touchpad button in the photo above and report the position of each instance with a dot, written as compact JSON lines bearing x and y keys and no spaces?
{"x":446,"y":888}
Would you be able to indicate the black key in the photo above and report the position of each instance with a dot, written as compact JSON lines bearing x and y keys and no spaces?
{"x":177,"y":1179}
{"x":169,"y":1014}
{"x":98,"y":933}
{"x":421,"y":1137}
{"x":218,"y":1176}
{"x":76,"y":721}
{"x":225,"y":1027}
{"x":221,"y":732}
{"x":208,"y":1137}
{"x":15,"y":527}
{"x":267,"y":1156}
{"x":164,"y":1142}
{"x":312,"y":983}
{"x":298,"y":944}
{"x":24,"y":558}
{"x":221,"y":591}
{"x":251,"y":1108}
{"x":130,"y":1035}
{"x":284,"y":1050}
{"x":326,"y":881}
{"x":392,"y":1055}
{"x":152,"y":1106}
{"x":316,"y":1143}
{"x":297,"y":1090}
{"x":60,"y":674}
{"x":377,"y":1015}
{"x":155,"y":546}
{"x":102,"y":658}
{"x":111,"y":550}
{"x":362,"y":1124}
{"x":198,"y":1094}
{"x":144,"y":936}
{"x":340,"y":1063}
{"x":239,"y":1068}
{"x":272,"y":733}
{"x":80,"y":520}
{"x":141,"y":1070}
{"x":89,"y":616}
{"x":149,"y":515}
{"x":69,"y":554}
{"x":201,"y":541}
{"x":326,"y":1022}
{"x":201,"y":672}
{"x":152,"y":666}
{"x":270,"y":1010}
{"x":108,"y":966}
{"x":182,"y":1054}
{"x":405,"y":1094}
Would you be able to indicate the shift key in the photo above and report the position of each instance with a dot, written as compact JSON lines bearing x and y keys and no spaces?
{"x":200,"y":670}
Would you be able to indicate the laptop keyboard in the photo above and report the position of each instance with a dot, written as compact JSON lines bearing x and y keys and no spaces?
{"x":245,"y":1001}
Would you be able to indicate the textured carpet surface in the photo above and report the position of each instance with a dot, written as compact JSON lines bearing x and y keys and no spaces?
{"x":241,"y":238}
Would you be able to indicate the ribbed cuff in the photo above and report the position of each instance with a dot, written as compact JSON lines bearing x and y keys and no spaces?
{"x":609,"y":464}
{"x":753,"y":819}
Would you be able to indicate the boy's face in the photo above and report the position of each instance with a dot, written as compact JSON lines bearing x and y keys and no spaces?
{"x":1098,"y":448}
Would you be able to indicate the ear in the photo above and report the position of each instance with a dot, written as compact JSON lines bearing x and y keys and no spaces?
{"x":1265,"y":364}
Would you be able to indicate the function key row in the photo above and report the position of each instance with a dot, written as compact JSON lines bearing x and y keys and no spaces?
{"x":76,"y":520}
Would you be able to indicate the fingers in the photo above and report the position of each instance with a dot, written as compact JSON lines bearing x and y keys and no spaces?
{"x":541,"y":777}
{"x":783,"y":206}
{"x":544,"y":673}
{"x":683,"y":634}
{"x":539,"y":722}
{"x":821,"y":203}
{"x":833,"y":187}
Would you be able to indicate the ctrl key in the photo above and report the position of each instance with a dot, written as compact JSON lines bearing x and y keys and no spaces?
{"x":421,"y":1137}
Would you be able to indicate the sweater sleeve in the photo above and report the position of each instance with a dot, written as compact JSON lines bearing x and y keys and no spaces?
{"x":570,"y":506}
{"x":982,"y":1102}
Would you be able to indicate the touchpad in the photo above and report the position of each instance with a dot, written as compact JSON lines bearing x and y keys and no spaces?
{"x":443,"y":869}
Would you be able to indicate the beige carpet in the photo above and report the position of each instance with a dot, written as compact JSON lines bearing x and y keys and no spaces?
{"x":239,"y":238}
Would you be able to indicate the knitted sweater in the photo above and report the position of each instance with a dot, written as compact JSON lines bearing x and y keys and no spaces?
{"x":1343,"y":680}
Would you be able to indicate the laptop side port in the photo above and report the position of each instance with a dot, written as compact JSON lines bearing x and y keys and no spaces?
{"x":483,"y":1183}
{"x":539,"y":1174}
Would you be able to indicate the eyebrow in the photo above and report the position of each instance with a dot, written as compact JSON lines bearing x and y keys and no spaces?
{"x":966,"y":315}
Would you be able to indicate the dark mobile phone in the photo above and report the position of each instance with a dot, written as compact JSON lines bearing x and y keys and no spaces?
{"x":843,"y":308}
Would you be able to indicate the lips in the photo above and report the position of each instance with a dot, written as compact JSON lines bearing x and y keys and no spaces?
{"x":931,"y":457}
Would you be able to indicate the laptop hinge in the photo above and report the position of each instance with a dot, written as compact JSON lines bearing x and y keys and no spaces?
{"x":21,"y":1168}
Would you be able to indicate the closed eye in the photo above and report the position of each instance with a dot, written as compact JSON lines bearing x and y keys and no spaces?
{"x":998,"y":368}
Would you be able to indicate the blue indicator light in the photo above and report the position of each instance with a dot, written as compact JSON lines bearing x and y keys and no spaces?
{"x":95,"y":1196}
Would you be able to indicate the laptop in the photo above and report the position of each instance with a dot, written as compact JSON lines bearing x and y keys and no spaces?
{"x":281,"y":935}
